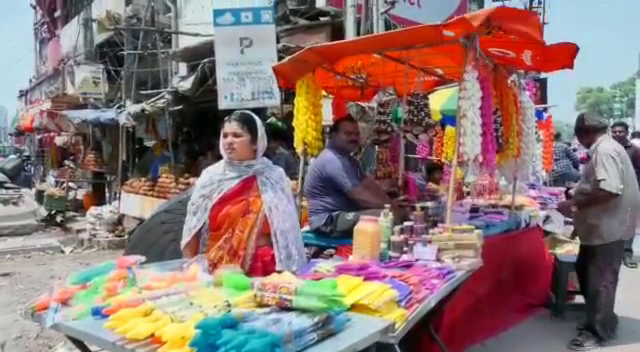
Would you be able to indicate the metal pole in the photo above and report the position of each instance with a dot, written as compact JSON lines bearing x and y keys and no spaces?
{"x":350,"y":16}
{"x":456,"y":147}
{"x":367,"y":5}
{"x":378,"y":17}
{"x":87,"y":32}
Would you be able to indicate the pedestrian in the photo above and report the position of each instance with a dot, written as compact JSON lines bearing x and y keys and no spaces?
{"x":278,"y":152}
{"x":565,"y":164}
{"x":620,"y":132}
{"x":604,"y":208}
{"x":635,"y":138}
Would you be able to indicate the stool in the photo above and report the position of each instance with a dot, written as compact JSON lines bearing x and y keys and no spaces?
{"x":563,"y":266}
{"x":341,"y":245}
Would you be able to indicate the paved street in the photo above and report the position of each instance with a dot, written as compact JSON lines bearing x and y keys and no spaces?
{"x":541,"y":334}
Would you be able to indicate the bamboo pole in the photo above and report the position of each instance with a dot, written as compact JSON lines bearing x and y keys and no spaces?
{"x":456,"y":150}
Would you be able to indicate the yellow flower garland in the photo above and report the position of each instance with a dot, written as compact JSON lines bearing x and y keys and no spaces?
{"x":307,"y":117}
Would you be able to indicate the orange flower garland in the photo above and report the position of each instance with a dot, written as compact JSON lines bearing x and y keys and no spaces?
{"x":438,"y":143}
{"x":507,"y":103}
{"x":546,"y":131}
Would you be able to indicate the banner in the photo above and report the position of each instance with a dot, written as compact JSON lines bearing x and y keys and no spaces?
{"x":90,"y":81}
{"x":246,"y":48}
{"x":408,"y":13}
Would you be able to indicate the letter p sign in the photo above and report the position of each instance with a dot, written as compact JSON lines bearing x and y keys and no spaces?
{"x":245,"y":43}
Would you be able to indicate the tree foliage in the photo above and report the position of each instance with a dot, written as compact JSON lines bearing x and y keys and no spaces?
{"x":615,"y":102}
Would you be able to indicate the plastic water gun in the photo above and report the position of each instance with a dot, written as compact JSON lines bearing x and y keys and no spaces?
{"x":88,"y":275}
{"x":166,"y":280}
{"x":61,"y":296}
{"x":224,"y":334}
{"x":126,"y":315}
{"x":149,"y":326}
{"x":176,"y":336}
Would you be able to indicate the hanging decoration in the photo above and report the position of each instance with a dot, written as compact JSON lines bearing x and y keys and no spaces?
{"x":438,"y":143}
{"x":383,"y":124}
{"x":507,"y":104}
{"x":527,"y":160}
{"x":307,"y":118}
{"x":547,"y":131}
{"x":470,"y":121}
{"x":449,"y":143}
{"x":489,"y":147}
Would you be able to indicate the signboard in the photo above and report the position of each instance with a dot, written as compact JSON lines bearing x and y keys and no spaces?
{"x":540,"y":91}
{"x":89,"y":81}
{"x":246,"y":48}
{"x":413,"y":12}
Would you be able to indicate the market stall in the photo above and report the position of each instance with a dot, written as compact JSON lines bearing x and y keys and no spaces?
{"x":485,"y":130}
{"x":440,"y":271}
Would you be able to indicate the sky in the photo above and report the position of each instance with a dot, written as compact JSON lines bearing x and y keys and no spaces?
{"x":16,"y":51}
{"x":606,"y":31}
{"x":608,"y":35}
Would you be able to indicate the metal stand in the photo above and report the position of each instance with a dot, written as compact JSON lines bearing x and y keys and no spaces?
{"x":81,"y":346}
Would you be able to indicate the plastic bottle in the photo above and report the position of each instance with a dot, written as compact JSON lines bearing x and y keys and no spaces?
{"x":366,"y":239}
{"x":385,"y":222}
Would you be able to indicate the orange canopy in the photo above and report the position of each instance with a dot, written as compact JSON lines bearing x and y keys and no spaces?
{"x":426,"y":56}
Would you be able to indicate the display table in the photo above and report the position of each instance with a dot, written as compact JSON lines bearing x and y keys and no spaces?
{"x":361,"y":332}
{"x":138,"y":206}
{"x":512,"y":284}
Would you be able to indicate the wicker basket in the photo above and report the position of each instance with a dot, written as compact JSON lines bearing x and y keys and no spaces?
{"x":55,"y":203}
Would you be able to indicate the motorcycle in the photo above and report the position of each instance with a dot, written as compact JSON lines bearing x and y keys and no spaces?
{"x":19,"y":212}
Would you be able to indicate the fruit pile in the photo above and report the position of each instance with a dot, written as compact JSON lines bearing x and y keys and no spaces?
{"x":307,"y":117}
{"x":166,"y":187}
{"x":93,"y":161}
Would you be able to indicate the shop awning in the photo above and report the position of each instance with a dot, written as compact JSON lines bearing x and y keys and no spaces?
{"x":427,"y":56}
{"x":150,"y":107}
{"x":91,"y":116}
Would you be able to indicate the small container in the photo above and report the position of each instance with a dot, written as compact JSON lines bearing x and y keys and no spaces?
{"x":418,"y":216}
{"x":419,"y":230}
{"x":397,"y":230}
{"x":397,"y":243}
{"x":366,"y":239}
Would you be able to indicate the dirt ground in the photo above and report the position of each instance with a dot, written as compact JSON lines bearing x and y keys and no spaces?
{"x":24,"y":277}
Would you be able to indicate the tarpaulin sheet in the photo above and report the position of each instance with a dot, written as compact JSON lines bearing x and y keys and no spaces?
{"x":427,"y":56}
{"x":91,"y":116}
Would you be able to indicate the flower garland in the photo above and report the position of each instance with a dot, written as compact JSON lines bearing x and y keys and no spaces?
{"x":470,"y":98}
{"x":528,"y":161}
{"x":449,"y":143}
{"x":546,"y":132}
{"x":507,"y":103}
{"x":307,"y":117}
{"x":438,"y":143}
{"x":489,"y":146}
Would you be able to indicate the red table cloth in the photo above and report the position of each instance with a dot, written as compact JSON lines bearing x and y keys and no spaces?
{"x":512,"y":284}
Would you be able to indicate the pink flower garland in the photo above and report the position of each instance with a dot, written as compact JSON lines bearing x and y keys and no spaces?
{"x":489,"y":147}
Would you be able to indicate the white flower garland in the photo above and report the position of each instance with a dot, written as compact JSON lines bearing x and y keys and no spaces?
{"x":469,"y":117}
{"x":529,"y":162}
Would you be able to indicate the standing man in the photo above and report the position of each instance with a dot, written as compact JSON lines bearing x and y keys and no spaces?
{"x":620,"y":132}
{"x":565,"y":164}
{"x":278,"y":153}
{"x":604,"y":208}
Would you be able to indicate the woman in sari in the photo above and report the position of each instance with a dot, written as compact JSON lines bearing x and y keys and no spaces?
{"x":242,"y":210}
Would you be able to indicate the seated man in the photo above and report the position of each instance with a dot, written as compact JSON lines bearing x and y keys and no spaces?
{"x":337,"y":189}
